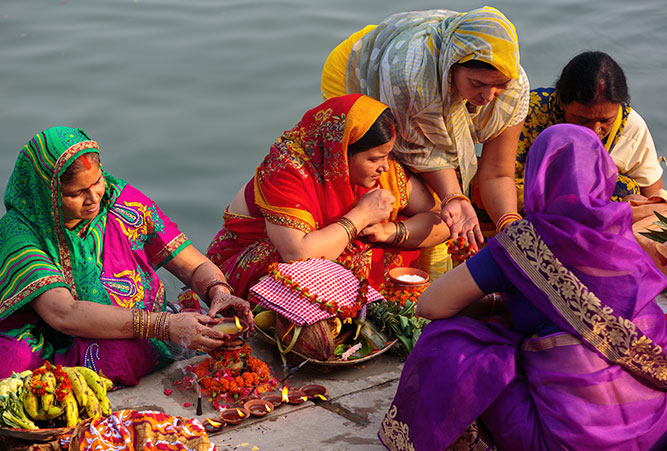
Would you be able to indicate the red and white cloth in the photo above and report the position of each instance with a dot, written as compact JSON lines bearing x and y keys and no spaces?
{"x":325,"y":278}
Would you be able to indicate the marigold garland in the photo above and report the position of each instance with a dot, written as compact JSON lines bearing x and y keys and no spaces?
{"x":63,"y":385}
{"x":460,"y":250}
{"x":332,"y":307}
{"x":401,"y":294}
{"x":222,"y":382}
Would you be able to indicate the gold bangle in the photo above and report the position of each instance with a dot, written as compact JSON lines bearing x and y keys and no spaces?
{"x":165,"y":326}
{"x":453,"y":196}
{"x":402,"y":233}
{"x":405,"y":232}
{"x":506,"y":219}
{"x":156,"y":326}
{"x":349,"y":227}
{"x":147,"y":324}
{"x":135,"y":322}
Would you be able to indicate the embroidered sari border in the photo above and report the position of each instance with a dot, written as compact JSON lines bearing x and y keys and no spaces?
{"x":168,"y":249}
{"x":30,"y":290}
{"x":614,"y":337}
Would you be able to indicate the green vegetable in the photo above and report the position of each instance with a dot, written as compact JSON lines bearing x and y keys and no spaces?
{"x":397,"y":322}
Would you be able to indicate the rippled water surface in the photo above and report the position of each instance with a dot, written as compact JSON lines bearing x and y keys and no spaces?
{"x":185,"y":97}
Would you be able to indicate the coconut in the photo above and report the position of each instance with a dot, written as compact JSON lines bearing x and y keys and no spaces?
{"x":315,"y":341}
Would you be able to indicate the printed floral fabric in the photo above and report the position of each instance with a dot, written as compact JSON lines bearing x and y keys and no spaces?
{"x":545,"y":111}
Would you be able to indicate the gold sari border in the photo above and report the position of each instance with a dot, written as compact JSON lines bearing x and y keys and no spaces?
{"x":168,"y":249}
{"x":614,"y":337}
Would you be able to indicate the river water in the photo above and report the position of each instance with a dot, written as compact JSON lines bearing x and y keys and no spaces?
{"x":185,"y":97}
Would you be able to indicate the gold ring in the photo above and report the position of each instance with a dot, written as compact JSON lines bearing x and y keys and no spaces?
{"x":201,"y":349}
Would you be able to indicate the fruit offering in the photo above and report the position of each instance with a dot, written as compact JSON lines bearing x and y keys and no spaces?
{"x":53,"y":396}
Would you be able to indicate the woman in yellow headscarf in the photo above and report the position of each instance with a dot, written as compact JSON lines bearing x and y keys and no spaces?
{"x":452,"y":80}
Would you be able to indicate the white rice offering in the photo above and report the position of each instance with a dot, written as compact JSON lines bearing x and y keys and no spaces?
{"x":410,"y":278}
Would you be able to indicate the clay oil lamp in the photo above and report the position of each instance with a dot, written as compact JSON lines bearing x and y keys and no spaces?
{"x":233,"y":327}
{"x":234,"y":415}
{"x":274,"y":398}
{"x":408,"y":277}
{"x":258,"y":407}
{"x":212,"y":425}
{"x":296,"y":396}
{"x":315,"y":391}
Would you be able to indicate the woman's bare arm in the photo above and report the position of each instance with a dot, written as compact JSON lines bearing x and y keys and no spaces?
{"x":449,"y":294}
{"x":88,"y":319}
{"x":496,"y":173}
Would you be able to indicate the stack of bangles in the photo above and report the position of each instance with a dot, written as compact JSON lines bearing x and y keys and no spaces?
{"x":402,"y":233}
{"x":450,"y":197}
{"x":506,"y":220}
{"x":141,"y":323}
{"x":349,"y":227}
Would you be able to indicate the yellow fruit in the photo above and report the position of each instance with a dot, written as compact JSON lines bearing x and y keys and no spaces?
{"x":49,"y":382}
{"x":79,"y":385}
{"x":93,"y":380}
{"x":30,"y":401}
{"x":93,"y":408}
{"x":105,"y":406}
{"x":265,"y":320}
{"x":71,"y":410}
{"x":336,"y":327}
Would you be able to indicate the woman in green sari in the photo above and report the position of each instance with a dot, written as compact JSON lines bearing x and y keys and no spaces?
{"x":79,"y":251}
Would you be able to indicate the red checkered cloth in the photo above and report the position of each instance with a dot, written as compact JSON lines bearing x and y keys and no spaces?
{"x":325,"y":278}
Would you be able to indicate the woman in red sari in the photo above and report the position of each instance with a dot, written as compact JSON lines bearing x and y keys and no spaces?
{"x":329,"y":188}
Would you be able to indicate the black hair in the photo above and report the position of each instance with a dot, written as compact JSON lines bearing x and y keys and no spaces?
{"x":93,"y":158}
{"x":477,"y":64}
{"x":592,"y":77}
{"x":381,"y":132}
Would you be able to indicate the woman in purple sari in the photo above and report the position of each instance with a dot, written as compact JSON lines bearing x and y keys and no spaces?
{"x":79,"y":251}
{"x":583,"y":365}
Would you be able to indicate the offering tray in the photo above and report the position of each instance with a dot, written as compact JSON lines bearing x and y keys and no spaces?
{"x":268,"y":336}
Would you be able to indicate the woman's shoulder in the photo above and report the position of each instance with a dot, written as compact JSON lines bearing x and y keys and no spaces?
{"x":14,"y":227}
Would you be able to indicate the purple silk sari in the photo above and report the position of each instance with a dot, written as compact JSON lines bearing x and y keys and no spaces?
{"x":601,"y":383}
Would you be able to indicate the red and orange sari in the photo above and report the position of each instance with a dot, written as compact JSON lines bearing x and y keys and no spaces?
{"x":304,"y":184}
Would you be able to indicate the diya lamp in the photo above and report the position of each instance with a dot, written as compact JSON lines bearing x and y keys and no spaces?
{"x":274,"y":398}
{"x":258,"y":407}
{"x":315,"y":391}
{"x":294,"y":396}
{"x":234,"y":415}
{"x":211,"y":425}
{"x":234,"y":328}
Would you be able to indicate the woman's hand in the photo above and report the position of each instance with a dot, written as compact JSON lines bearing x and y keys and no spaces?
{"x":380,"y":233}
{"x":229,"y":305}
{"x":193,"y":331}
{"x":377,"y":205}
{"x":459,"y":215}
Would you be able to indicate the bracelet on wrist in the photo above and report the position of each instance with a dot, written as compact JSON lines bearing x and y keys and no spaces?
{"x":213,"y":283}
{"x":506,"y":220}
{"x":450,"y":197}
{"x":402,"y":233}
{"x":349,"y":228}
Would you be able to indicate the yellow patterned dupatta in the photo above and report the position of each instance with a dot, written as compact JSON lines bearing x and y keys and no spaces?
{"x":405,"y":62}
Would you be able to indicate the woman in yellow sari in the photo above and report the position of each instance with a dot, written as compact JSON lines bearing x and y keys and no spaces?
{"x":453,"y":80}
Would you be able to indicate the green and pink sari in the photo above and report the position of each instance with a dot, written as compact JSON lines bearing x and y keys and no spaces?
{"x":111,"y":259}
